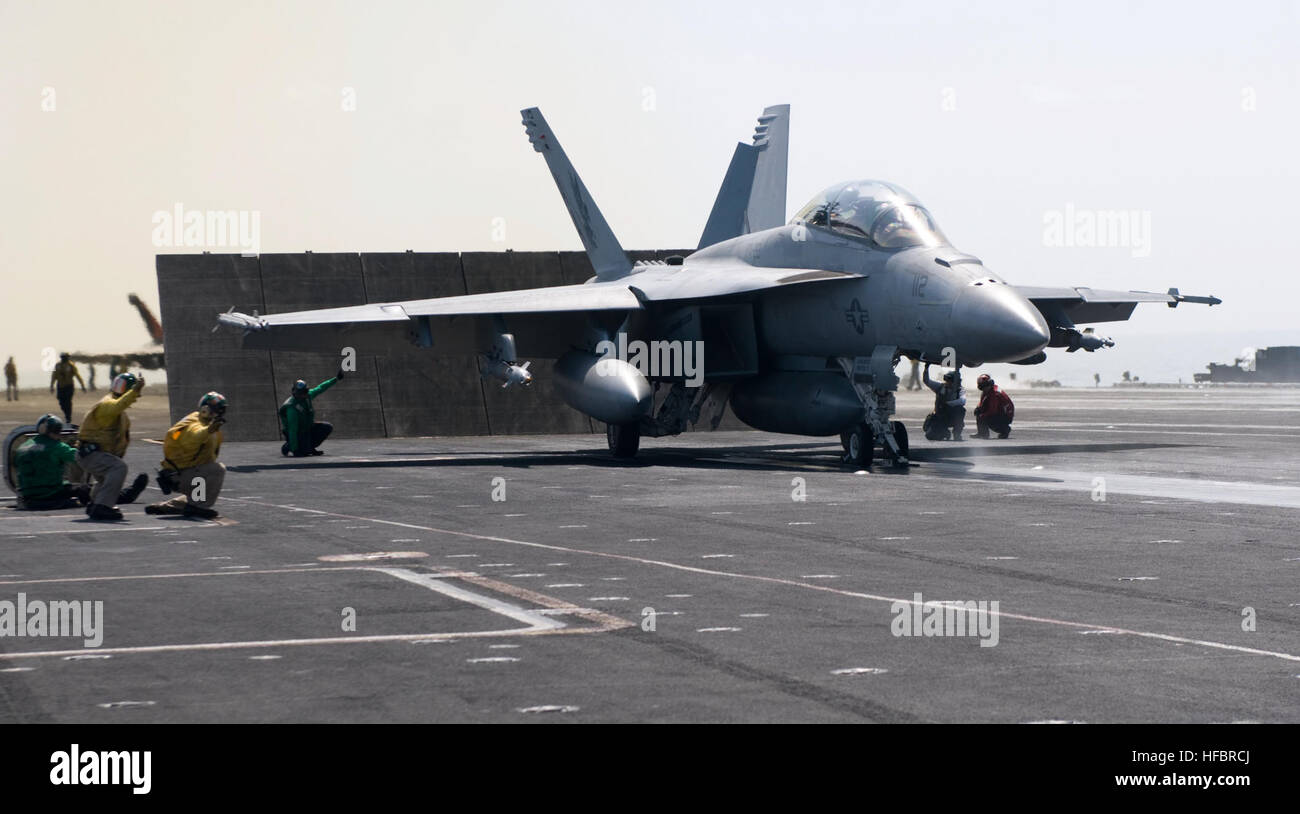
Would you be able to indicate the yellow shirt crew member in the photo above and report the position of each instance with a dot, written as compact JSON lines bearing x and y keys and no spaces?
{"x":102,"y":439}
{"x":190,"y":463}
{"x":62,"y":377}
{"x":107,"y":424}
{"x":191,"y":442}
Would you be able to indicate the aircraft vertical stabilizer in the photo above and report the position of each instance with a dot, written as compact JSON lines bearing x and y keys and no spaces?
{"x":607,"y":256}
{"x":767,"y":198}
{"x":752,"y":196}
{"x":727,"y":220}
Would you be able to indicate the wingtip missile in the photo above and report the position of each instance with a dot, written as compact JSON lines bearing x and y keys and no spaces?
{"x":1177,"y":298}
{"x":241,"y":322}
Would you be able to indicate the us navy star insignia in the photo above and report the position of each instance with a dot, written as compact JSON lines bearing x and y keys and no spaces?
{"x":857,"y":316}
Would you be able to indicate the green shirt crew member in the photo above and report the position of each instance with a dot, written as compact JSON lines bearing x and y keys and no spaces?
{"x":302,"y":432}
{"x":40,"y":464}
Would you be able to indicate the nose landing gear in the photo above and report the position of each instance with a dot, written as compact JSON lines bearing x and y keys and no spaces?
{"x":859,"y":444}
{"x":897,"y":452}
{"x":874,"y":381}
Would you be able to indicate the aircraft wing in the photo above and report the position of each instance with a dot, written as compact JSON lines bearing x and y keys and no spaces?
{"x":1087,"y":305}
{"x":721,"y":278}
{"x":657,"y":283}
{"x":546,"y":321}
{"x":594,"y":297}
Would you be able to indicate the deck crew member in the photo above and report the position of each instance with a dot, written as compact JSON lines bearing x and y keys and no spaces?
{"x":102,"y":439}
{"x":190,"y":463}
{"x":62,"y":377}
{"x":949,"y":416}
{"x":302,"y":432}
{"x":41,"y":464}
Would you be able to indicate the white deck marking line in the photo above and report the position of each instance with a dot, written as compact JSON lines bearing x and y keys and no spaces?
{"x":434,"y":583}
{"x":91,"y":531}
{"x":794,"y":583}
{"x":539,"y":622}
{"x":1200,"y":490}
{"x":552,"y":604}
{"x":1189,"y":428}
{"x":190,"y":525}
{"x":1162,"y":432}
{"x":1163,"y":405}
{"x":397,"y":637}
{"x":171,"y":576}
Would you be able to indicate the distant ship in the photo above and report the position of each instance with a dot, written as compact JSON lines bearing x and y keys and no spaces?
{"x":1265,"y":366}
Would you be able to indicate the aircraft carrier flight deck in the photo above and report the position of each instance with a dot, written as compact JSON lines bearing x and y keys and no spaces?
{"x":1140,"y":545}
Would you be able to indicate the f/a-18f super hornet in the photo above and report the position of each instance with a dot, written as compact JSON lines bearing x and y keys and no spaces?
{"x":801,"y":323}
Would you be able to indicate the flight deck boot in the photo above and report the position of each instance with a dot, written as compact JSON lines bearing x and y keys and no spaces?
{"x":98,"y":511}
{"x":130,"y":493}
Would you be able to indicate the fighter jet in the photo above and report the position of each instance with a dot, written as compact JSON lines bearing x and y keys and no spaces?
{"x":800,"y":324}
{"x":147,"y":359}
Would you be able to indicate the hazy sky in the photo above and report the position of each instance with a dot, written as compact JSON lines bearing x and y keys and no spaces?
{"x":1185,"y":113}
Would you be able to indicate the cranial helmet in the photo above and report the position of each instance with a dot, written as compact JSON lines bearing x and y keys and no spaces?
{"x":985,"y":380}
{"x":48,"y":422}
{"x":122,"y":383}
{"x":299,"y":387}
{"x":214,"y":402}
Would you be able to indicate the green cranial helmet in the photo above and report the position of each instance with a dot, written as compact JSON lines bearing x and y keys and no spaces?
{"x":123,"y":382}
{"x":49,"y":422}
{"x":214,"y":401}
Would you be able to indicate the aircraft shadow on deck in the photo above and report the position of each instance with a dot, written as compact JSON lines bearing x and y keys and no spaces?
{"x":754,"y":458}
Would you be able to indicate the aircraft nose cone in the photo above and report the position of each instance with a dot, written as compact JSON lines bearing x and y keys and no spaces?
{"x":993,"y":323}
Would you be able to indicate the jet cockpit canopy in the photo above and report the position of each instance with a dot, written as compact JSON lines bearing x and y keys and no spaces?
{"x":886,"y":215}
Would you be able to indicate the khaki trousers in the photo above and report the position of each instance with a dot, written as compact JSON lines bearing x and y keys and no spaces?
{"x":213,"y":474}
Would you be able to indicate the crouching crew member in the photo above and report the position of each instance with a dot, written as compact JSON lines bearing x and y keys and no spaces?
{"x":995,"y":410}
{"x":190,"y":464}
{"x":302,"y":432}
{"x":949,"y":414}
{"x":40,"y":464}
{"x":102,"y":440}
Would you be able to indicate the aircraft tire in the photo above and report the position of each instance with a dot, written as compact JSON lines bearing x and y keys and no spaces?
{"x":860,"y":442}
{"x":624,"y":439}
{"x":900,"y":437}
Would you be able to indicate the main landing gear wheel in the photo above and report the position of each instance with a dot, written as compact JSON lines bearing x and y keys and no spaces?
{"x":858,"y":445}
{"x":900,"y":437}
{"x":624,"y":439}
